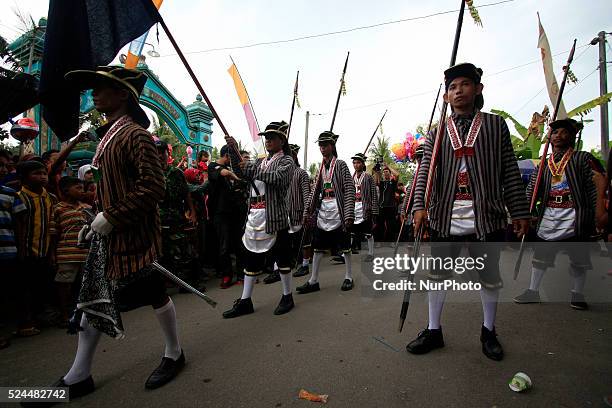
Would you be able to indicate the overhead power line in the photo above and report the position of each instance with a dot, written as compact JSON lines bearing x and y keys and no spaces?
{"x":348,"y":30}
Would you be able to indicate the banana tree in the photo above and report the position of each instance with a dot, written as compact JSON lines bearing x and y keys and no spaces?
{"x":529,"y":139}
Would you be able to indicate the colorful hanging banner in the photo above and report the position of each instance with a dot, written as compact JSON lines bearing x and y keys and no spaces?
{"x":136,"y":46}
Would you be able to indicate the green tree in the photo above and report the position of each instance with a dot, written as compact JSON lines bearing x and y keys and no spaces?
{"x":313,"y":170}
{"x":165,"y":134}
{"x":528,"y":142}
{"x":12,"y":149}
{"x":380,"y":150}
{"x":214,"y":154}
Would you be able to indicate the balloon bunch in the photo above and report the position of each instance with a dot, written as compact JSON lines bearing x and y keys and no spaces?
{"x":406,"y":151}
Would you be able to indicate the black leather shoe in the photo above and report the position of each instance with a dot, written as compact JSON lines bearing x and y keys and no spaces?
{"x":75,"y":390}
{"x":426,"y":341}
{"x":490,"y":346}
{"x":285,"y":305}
{"x":302,"y":270}
{"x":272,"y":278}
{"x":308,"y":288}
{"x":241,"y":307}
{"x":578,"y":302}
{"x":528,"y":296}
{"x":338,"y":260}
{"x":165,"y":372}
{"x":347,"y":285}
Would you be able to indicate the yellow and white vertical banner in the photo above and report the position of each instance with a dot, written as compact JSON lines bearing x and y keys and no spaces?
{"x":549,"y":74}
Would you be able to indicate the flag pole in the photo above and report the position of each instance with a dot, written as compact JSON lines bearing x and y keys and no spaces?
{"x":196,"y":82}
{"x":331,"y":128}
{"x":250,"y":102}
{"x":374,"y":133}
{"x":414,"y":177}
{"x":432,"y":164}
{"x":295,"y":91}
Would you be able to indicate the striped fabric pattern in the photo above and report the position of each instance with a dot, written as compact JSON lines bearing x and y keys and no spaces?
{"x":131,"y":186}
{"x":69,"y":219}
{"x":10,"y":205}
{"x":39,"y":223}
{"x":494,"y":178}
{"x":369,"y":196}
{"x":344,"y":189}
{"x":298,"y":192}
{"x":579,"y":175}
{"x":277,"y":177}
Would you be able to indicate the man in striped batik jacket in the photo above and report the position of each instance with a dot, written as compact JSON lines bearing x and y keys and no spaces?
{"x":366,"y":206}
{"x":569,"y":210}
{"x":126,"y":232}
{"x":476,"y":179}
{"x":298,"y":193}
{"x":334,"y":207}
{"x":266,"y":232}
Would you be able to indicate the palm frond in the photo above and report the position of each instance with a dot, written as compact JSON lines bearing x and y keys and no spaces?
{"x":586,"y":107}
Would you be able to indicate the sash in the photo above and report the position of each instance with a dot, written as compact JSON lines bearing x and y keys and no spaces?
{"x":358,"y":182}
{"x":115,"y":128}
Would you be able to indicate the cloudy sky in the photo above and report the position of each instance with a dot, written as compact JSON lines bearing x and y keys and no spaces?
{"x":394,"y":66}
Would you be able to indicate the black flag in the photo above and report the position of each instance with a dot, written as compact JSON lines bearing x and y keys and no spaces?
{"x":84,"y":34}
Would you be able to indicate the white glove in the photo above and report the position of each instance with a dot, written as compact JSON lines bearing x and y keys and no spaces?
{"x":101,"y":225}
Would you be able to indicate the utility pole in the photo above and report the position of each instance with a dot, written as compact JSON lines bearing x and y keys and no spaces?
{"x":603,"y":89}
{"x":306,"y":141}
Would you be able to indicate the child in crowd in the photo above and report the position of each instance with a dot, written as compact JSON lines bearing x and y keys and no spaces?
{"x":70,"y":216}
{"x":35,"y":251}
{"x":10,"y":207}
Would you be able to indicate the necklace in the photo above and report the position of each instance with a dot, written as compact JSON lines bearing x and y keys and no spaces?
{"x":557,"y":170}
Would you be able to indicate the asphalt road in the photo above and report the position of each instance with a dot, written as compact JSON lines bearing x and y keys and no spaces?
{"x":343,"y":344}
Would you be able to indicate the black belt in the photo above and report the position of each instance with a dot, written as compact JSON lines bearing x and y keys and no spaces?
{"x":329,"y":194}
{"x":463,"y":189}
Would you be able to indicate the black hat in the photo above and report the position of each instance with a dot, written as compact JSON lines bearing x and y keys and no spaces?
{"x":129,"y":79}
{"x":294,"y":148}
{"x":359,"y":156}
{"x":276,"y":128}
{"x":327,"y":136}
{"x":570,"y":125}
{"x":464,"y":70}
{"x":26,"y":167}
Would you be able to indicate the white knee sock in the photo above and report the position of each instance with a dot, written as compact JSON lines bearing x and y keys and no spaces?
{"x":166,"y":315}
{"x":371,"y":245}
{"x":316,"y":262}
{"x":286,"y":281}
{"x":436,"y":302}
{"x":536,"y":278}
{"x":86,"y":349}
{"x":305,"y":262}
{"x":275,"y":267}
{"x":489,"y":299}
{"x":247,"y":286}
{"x":348,"y":274}
{"x":579,"y":281}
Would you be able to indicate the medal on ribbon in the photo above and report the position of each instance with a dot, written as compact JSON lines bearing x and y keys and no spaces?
{"x":557,"y":170}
